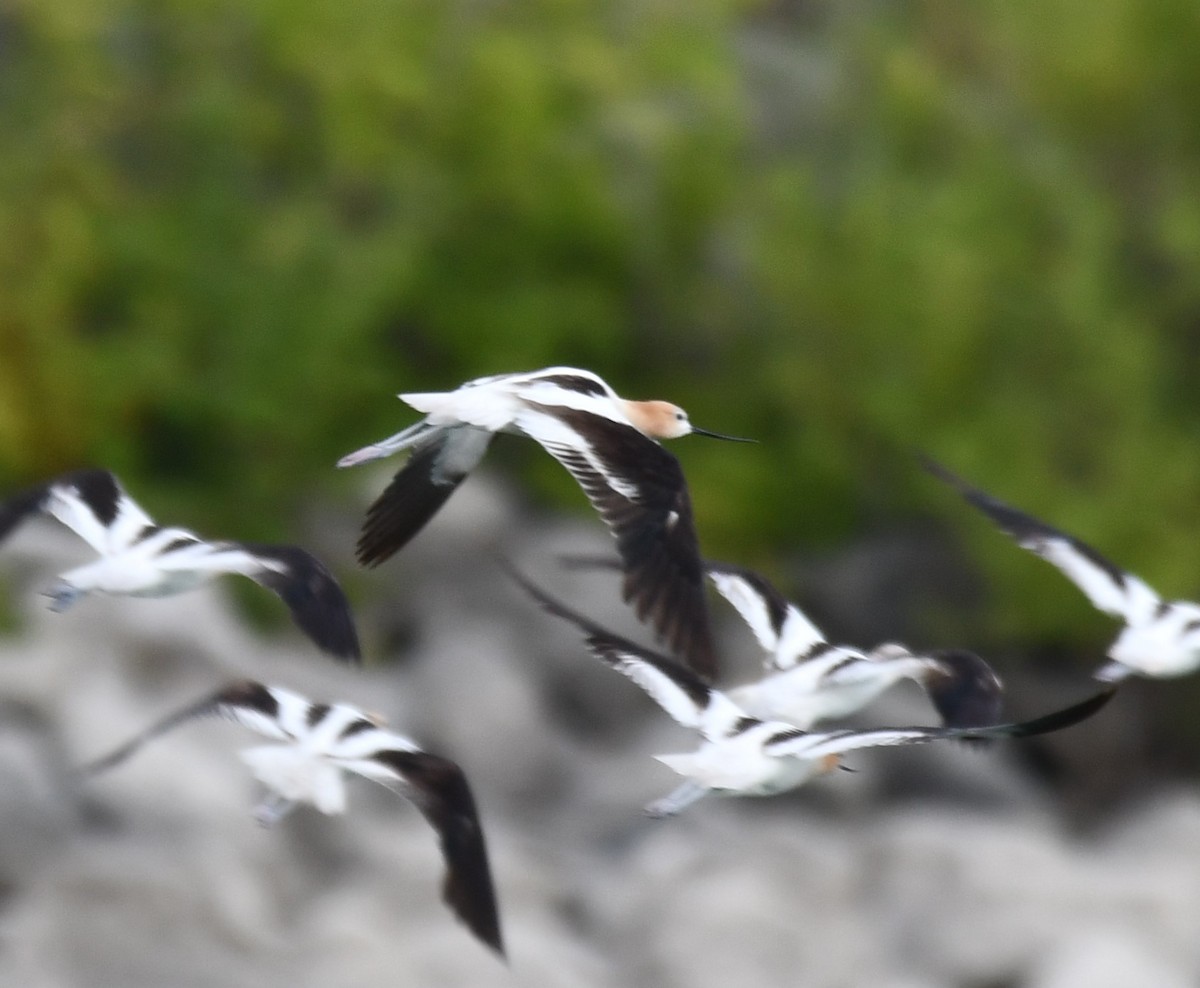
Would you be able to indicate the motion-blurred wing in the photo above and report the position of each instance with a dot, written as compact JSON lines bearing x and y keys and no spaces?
{"x":251,"y":704}
{"x":440,"y":791}
{"x":1106,"y":585}
{"x":781,"y":628}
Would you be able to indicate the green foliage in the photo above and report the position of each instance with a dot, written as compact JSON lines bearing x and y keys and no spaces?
{"x":230,"y":232}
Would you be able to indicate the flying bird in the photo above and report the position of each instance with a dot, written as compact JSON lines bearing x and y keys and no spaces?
{"x":1160,"y":638}
{"x":742,"y":755}
{"x":607,"y":443}
{"x":809,"y":680}
{"x":314,"y":744}
{"x":141,"y":559}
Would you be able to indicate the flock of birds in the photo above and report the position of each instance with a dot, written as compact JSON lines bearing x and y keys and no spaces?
{"x":757,"y":739}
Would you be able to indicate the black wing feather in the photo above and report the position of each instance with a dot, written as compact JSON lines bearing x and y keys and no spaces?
{"x":406,"y":504}
{"x":655,"y":533}
{"x":315,"y":598}
{"x":440,"y":791}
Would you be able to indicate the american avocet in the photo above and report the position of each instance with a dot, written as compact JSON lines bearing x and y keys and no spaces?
{"x":316,"y":743}
{"x":810,"y":680}
{"x":742,"y":755}
{"x":608,"y":444}
{"x":139,"y":558}
{"x":1160,"y":638}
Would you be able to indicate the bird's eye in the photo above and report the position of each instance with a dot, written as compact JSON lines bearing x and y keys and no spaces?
{"x":680,"y":416}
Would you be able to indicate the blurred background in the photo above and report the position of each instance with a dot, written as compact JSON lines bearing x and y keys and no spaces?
{"x":855,"y":230}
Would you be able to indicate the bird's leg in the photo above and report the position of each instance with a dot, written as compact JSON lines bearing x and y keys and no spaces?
{"x":386,"y":447}
{"x":1112,"y":672}
{"x":62,"y":595}
{"x":676,"y":800}
{"x":273,"y":809}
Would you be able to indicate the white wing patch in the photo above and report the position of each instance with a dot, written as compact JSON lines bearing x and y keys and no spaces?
{"x":837,"y":742}
{"x":786,"y":645}
{"x":565,"y":444}
{"x":68,"y":507}
{"x":1131,"y":599}
{"x":662,"y":689}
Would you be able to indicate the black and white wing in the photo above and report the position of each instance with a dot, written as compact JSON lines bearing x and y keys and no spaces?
{"x":440,"y":791}
{"x":639,"y":490}
{"x":266,"y":710}
{"x":673,"y":686}
{"x":782,"y":629}
{"x":807,"y":744}
{"x":438,"y":465}
{"x":315,"y":598}
{"x":90,"y":502}
{"x":1106,"y":585}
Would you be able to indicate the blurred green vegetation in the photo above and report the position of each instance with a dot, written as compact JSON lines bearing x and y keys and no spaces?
{"x":230,"y":232}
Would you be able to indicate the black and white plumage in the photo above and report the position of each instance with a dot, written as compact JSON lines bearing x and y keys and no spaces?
{"x":809,"y":680}
{"x":1160,"y":638}
{"x":139,"y":558}
{"x":610,"y":445}
{"x":742,"y":755}
{"x":314,"y":744}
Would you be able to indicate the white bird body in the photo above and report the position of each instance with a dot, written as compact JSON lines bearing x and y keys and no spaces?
{"x":1165,"y":646}
{"x":141,"y":559}
{"x":608,"y":444}
{"x":835,"y":684}
{"x":808,"y":680}
{"x":1161,"y":639}
{"x":313,"y":744}
{"x":742,"y":755}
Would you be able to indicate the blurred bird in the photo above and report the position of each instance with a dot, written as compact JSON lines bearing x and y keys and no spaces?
{"x":809,"y":680}
{"x":1160,"y":639}
{"x":608,"y":444}
{"x":141,"y":559}
{"x":742,"y":755}
{"x":316,"y":744}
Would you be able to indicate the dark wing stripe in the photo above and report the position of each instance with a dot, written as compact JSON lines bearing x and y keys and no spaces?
{"x":613,"y":649}
{"x":569,"y":382}
{"x":440,"y":791}
{"x":183,"y":542}
{"x":776,"y":604}
{"x":655,"y":532}
{"x":1055,"y":721}
{"x":315,"y":714}
{"x":98,"y":489}
{"x":314,"y":597}
{"x":357,"y":727}
{"x":406,"y":504}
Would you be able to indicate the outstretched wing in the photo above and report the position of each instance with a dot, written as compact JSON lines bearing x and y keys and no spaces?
{"x":639,"y":491}
{"x":674,"y":687}
{"x":1107,"y":586}
{"x":440,"y":791}
{"x":312,"y":594}
{"x":438,"y":464}
{"x":89,"y":502}
{"x":781,"y":628}
{"x":262,"y":709}
{"x":815,"y":745}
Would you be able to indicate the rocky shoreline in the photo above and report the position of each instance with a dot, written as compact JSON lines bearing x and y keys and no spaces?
{"x":944,"y":867}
